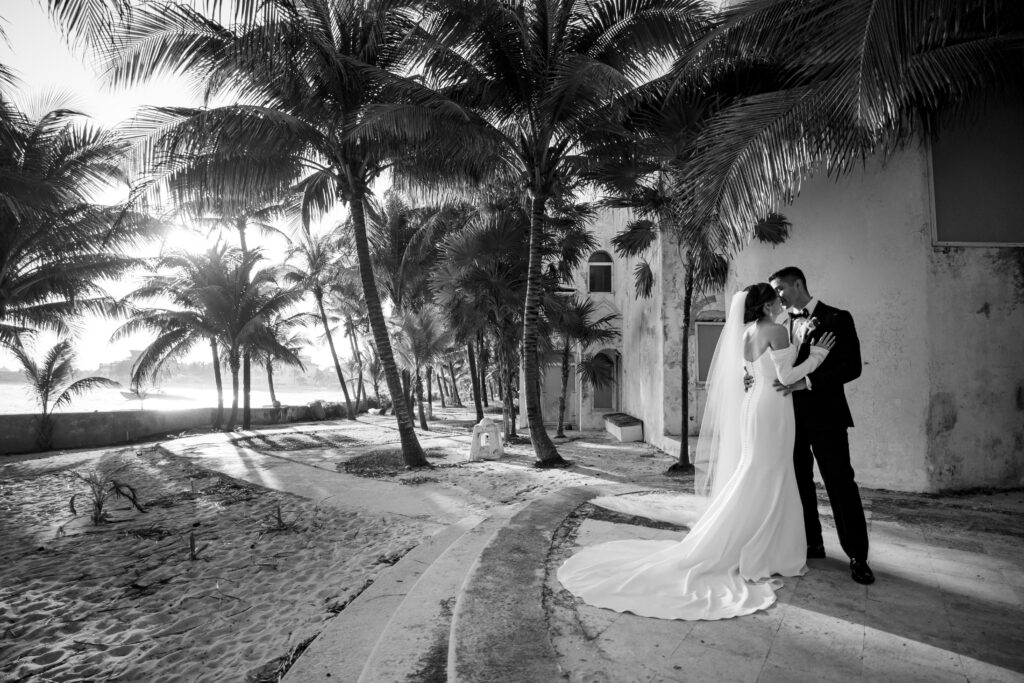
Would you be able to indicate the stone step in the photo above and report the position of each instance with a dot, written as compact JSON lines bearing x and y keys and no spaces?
{"x":414,"y":643}
{"x":498,"y":627}
{"x":392,"y":626}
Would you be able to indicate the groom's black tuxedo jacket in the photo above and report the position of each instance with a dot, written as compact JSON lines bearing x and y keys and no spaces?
{"x":825,"y":406}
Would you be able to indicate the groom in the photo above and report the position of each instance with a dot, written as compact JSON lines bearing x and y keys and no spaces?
{"x":822,"y":418}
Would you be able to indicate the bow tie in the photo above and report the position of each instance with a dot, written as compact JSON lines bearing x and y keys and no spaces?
{"x":799,"y":314}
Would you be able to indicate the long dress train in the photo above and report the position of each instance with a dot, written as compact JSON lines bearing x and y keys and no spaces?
{"x":752,"y":529}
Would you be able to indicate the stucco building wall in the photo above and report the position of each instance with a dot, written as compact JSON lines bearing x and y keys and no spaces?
{"x":975,"y":415}
{"x":646,"y":355}
{"x":937,"y":406}
{"x":649,"y":350}
{"x":604,"y":229}
{"x":940,"y":402}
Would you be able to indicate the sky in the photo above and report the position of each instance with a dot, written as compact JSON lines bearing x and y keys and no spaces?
{"x":44,"y":63}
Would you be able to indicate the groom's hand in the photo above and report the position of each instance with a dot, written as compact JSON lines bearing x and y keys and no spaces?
{"x":787,"y":389}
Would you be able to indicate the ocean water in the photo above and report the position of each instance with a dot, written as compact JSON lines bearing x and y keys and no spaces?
{"x":14,"y":398}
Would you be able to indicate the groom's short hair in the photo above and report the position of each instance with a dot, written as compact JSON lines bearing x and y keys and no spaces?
{"x":789,"y":274}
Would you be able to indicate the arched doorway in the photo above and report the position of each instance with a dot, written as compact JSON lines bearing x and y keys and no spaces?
{"x":606,"y":398}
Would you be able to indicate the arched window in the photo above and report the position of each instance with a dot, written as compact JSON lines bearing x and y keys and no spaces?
{"x":600,"y":272}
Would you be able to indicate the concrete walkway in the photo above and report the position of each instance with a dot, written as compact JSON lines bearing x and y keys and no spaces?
{"x":946,"y":606}
{"x":479,"y":601}
{"x":314,"y":474}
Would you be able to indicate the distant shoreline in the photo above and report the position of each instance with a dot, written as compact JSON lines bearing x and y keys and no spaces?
{"x":15,"y":399}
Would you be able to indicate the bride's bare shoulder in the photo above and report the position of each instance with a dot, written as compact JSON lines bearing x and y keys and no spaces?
{"x":767,"y":328}
{"x":777,"y":335}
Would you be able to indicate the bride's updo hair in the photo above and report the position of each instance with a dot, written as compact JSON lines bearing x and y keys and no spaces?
{"x":757,"y":296}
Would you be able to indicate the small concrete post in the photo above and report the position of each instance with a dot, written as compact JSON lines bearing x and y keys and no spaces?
{"x":486,"y":443}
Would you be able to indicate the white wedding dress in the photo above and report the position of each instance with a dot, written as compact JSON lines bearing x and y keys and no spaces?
{"x":751,"y":530}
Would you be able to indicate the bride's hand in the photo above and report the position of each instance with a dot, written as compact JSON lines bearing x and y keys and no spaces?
{"x":827,"y":341}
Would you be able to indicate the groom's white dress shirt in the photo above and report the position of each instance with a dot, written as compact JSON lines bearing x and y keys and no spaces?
{"x":811,"y":305}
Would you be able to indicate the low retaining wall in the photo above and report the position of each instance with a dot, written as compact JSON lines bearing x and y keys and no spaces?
{"x":96,"y":429}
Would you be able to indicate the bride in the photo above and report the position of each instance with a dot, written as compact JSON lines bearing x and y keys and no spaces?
{"x":753,"y":526}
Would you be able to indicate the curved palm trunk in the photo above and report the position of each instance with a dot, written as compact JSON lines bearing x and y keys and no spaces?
{"x":246,"y":391}
{"x":456,"y":399}
{"x":270,"y":382}
{"x":234,"y":362}
{"x":485,"y":356}
{"x":360,"y":397}
{"x":358,"y":358}
{"x":334,"y":355}
{"x":430,"y":392}
{"x":476,"y":381}
{"x":45,"y":432}
{"x":510,"y":401}
{"x":684,"y":408}
{"x":506,"y":375}
{"x":220,"y":385}
{"x":407,"y":390}
{"x":412,"y":452}
{"x":419,"y":400}
{"x":543,"y":446}
{"x":240,"y":226}
{"x":565,"y":386}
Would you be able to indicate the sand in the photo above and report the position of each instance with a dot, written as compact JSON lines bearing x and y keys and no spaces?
{"x":127,"y":599}
{"x":131,"y":600}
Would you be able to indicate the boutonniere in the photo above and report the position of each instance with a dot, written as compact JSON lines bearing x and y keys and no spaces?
{"x":809,"y":325}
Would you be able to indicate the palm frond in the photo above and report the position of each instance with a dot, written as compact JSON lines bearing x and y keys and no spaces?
{"x":596,"y":371}
{"x":643,"y":279}
{"x":772,"y":229}
{"x":80,"y":388}
{"x":636,"y":239}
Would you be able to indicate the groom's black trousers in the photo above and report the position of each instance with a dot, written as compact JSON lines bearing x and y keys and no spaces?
{"x":831,"y":449}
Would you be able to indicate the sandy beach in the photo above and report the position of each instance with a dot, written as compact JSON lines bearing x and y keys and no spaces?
{"x":131,"y":600}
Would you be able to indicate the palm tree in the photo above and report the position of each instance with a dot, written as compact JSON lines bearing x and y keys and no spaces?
{"x":314,"y":269}
{"x":480,"y":278}
{"x":643,"y":163}
{"x":344,"y":306}
{"x":53,"y":384}
{"x":882,"y":75}
{"x":480,"y":281}
{"x":306,"y":115}
{"x":375,"y":372}
{"x":575,"y":323}
{"x":542,"y":75}
{"x":179,"y":279}
{"x":280,"y":339}
{"x":89,"y":22}
{"x":355,"y":369}
{"x":178,"y":332}
{"x":484,"y":357}
{"x":217,"y":213}
{"x":56,"y":245}
{"x":402,"y":247}
{"x":421,"y":339}
{"x":240,"y":305}
{"x":220,"y":297}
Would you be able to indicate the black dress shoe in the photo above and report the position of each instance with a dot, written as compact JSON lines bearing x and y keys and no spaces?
{"x":815,"y":552}
{"x":861,"y":572}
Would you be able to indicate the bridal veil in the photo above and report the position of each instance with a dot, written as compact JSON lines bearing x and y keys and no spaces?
{"x":718,"y":447}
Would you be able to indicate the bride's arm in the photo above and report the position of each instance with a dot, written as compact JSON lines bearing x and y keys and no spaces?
{"x":783,"y":356}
